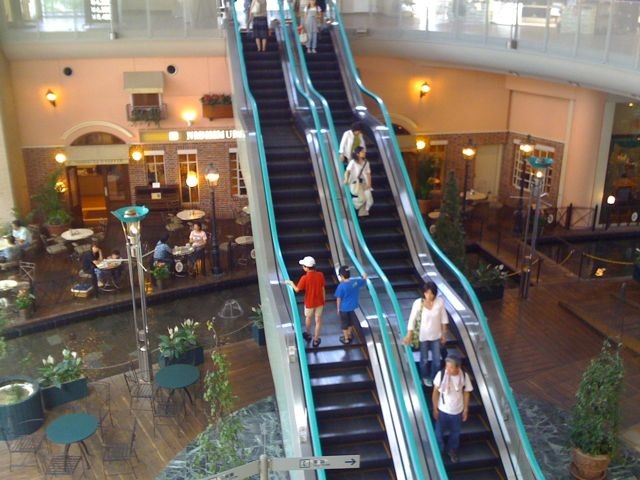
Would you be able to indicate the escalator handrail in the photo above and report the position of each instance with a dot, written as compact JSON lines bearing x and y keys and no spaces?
{"x":367,"y":253}
{"x":479,"y":312}
{"x":304,"y":367}
{"x":411,"y":442}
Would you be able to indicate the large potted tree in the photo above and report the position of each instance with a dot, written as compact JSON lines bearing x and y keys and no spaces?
{"x":595,"y":422}
{"x":216,"y":105}
{"x":64,"y":381}
{"x":425,"y":181}
{"x":449,"y":233}
{"x":50,"y":203}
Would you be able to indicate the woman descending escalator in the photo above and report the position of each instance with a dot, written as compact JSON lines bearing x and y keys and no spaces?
{"x":358,"y":177}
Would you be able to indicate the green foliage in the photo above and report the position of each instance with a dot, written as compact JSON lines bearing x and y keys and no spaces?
{"x":449,"y":232}
{"x":24,"y":219}
{"x":55,"y":374}
{"x":181,"y":339}
{"x":427,"y":171}
{"x":25,"y":300}
{"x":160,"y":271}
{"x":217,"y":387}
{"x":595,"y":421}
{"x":146,"y":115}
{"x":216,"y":99}
{"x":50,"y":202}
{"x":487,"y":276}
{"x":257,"y":318}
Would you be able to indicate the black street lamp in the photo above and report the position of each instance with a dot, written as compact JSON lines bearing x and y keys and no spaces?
{"x":526,"y":149}
{"x":212,"y":176}
{"x":468,"y":153}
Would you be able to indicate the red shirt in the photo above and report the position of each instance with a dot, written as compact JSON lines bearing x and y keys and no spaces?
{"x":312,"y":283}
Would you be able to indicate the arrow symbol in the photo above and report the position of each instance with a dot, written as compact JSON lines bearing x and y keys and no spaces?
{"x":350,"y":462}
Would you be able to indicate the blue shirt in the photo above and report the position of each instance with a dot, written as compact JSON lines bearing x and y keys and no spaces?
{"x":162,"y":252}
{"x":348,"y":292}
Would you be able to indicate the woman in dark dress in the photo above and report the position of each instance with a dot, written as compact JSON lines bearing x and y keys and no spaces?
{"x":258,"y":15}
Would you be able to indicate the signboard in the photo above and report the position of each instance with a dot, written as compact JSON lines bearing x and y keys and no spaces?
{"x":98,"y":11}
{"x":239,"y":473}
{"x":161,"y":136}
{"x":315,"y":463}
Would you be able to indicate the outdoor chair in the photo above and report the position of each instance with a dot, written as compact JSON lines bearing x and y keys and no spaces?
{"x":138,"y":388}
{"x":100,"y":231}
{"x":242,"y":219}
{"x":98,"y":403}
{"x":120,"y":451}
{"x":24,"y":445}
{"x":59,"y":465}
{"x":53,"y":246}
{"x":165,"y":406}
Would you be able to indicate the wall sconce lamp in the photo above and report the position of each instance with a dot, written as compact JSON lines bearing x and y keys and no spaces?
{"x":51,"y":97}
{"x":421,"y":144}
{"x":136,"y":153}
{"x":527,"y":146}
{"x":60,"y":157}
{"x":424,"y":89}
{"x":189,"y":116}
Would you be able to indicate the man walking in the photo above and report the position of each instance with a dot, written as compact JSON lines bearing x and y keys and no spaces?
{"x":347,"y":300}
{"x":451,"y":404}
{"x":312,"y":284}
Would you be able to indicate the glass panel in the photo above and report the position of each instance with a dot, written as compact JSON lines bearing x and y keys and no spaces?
{"x":625,"y":35}
{"x":155,"y":168}
{"x":593,"y":26}
{"x":473,"y":17}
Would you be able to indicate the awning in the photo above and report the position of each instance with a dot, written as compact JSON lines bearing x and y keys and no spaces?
{"x":143,"y":82}
{"x":97,"y":155}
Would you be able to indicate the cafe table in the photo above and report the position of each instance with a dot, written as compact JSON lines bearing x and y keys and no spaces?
{"x":190,"y":215}
{"x":176,"y":376}
{"x":180,"y":254}
{"x":475,"y":196}
{"x":73,"y":428}
{"x":77,"y":234}
{"x":6,"y":285}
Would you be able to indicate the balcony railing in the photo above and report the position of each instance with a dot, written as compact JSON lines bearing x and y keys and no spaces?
{"x":147,"y":114}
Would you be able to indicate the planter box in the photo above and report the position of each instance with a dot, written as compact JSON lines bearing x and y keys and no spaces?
{"x":491,"y":293}
{"x":12,"y":417}
{"x":68,"y":392}
{"x":217,"y":111}
{"x":195,"y":356}
{"x":636,"y":273}
{"x":258,"y":335}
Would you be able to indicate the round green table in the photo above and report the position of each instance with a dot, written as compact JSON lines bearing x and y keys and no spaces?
{"x":73,"y":428}
{"x":177,"y":376}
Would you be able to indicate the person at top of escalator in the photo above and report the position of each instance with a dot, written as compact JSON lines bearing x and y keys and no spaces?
{"x":351,"y":139}
{"x":451,"y":404}
{"x":258,"y":16}
{"x":310,"y":23}
{"x":347,"y":301}
{"x":428,"y":319}
{"x":358,"y":176}
{"x":312,"y":284}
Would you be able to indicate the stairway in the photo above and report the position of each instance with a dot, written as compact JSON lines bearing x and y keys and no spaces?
{"x":382,"y":230}
{"x":347,"y":406}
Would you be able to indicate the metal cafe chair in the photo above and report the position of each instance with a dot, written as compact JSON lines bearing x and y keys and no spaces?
{"x":138,"y":388}
{"x":23,"y":444}
{"x":121,"y":452}
{"x":98,"y":403}
{"x":59,"y":465}
{"x":166,"y":407}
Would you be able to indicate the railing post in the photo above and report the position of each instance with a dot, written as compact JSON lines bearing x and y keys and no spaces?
{"x":540,"y":260}
{"x":581,"y":263}
{"x":567,"y":223}
{"x":595,"y":218}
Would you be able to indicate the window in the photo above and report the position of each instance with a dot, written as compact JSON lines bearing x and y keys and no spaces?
{"x":237,"y":182}
{"x":154,"y":164}
{"x":521,"y":162}
{"x":145,"y":99}
{"x":188,"y":162}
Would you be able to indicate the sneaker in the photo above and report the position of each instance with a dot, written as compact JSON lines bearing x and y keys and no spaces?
{"x":316,"y":343}
{"x":345,"y":341}
{"x":306,"y":336}
{"x":453,"y":455}
{"x":427,"y":382}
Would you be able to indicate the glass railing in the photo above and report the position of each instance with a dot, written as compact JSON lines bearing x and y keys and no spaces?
{"x":342,"y":203}
{"x":328,"y":152}
{"x":253,"y":130}
{"x":480,"y":346}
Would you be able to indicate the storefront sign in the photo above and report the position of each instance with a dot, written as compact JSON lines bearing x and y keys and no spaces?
{"x":158,"y":136}
{"x":100,"y":10}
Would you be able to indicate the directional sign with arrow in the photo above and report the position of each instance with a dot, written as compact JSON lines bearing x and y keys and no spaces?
{"x":315,"y":463}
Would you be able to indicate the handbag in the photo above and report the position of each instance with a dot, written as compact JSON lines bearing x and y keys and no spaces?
{"x":415,"y":333}
{"x":304,"y":38}
{"x":355,"y":185}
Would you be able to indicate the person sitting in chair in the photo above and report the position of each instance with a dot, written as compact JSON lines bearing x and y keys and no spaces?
{"x":113,"y":267}
{"x":89,"y":259}
{"x":12,"y":253}
{"x":163,"y":253}
{"x":21,"y":234}
{"x":198,"y":240}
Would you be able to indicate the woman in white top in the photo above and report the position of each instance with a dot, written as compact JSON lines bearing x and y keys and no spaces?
{"x":433,"y":329}
{"x":358,"y":177}
{"x":351,"y":139}
{"x":198,"y":240}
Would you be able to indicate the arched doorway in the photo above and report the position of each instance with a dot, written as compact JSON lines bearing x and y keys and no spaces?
{"x":98,"y":176}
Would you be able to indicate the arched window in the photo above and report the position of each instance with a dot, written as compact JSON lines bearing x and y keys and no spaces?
{"x":97,"y":138}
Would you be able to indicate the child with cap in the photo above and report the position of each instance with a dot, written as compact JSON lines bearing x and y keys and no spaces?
{"x":347,"y":300}
{"x":451,"y":404}
{"x":312,"y":284}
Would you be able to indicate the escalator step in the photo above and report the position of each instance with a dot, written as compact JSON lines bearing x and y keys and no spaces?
{"x":337,"y":403}
{"x":377,"y":474}
{"x":335,"y":357}
{"x":341,"y":380}
{"x":473,"y":455}
{"x":491,"y":473}
{"x":351,"y":429}
{"x":372,"y":454}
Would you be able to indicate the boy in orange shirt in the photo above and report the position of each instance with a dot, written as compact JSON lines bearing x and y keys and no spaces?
{"x":312,"y":283}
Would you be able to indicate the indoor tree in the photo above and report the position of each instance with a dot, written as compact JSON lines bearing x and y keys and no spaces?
{"x":449,"y":231}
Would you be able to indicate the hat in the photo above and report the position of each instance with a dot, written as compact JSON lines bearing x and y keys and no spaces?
{"x":453,"y":358}
{"x":308,"y":262}
{"x":344,"y":271}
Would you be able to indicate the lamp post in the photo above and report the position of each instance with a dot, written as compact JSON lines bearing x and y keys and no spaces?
{"x":526,"y":149}
{"x":212,"y":176}
{"x":468,"y":153}
{"x":130,"y":218}
{"x":540,"y":165}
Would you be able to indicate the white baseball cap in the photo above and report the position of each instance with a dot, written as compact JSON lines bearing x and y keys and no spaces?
{"x":308,"y":262}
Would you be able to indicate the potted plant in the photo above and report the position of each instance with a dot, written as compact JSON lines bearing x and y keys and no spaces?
{"x":595,"y":421}
{"x":25,"y":301}
{"x":426,"y":181}
{"x":636,"y":266}
{"x":64,"y":381}
{"x":488,"y":281}
{"x":216,"y":105}
{"x":160,"y":273}
{"x":257,"y":327}
{"x":51,"y":204}
{"x":19,"y":403}
{"x":449,"y":234}
{"x":146,"y":114}
{"x":181,"y":345}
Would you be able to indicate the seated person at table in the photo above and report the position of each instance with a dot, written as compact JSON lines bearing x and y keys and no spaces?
{"x":113,"y":267}
{"x":12,"y":253}
{"x":21,"y":234}
{"x":89,"y":259}
{"x":198,"y":240}
{"x":163,"y":253}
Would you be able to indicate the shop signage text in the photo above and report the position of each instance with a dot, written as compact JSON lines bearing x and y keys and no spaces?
{"x":100,"y":10}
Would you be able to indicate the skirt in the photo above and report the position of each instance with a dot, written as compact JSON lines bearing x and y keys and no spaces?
{"x":260,"y":27}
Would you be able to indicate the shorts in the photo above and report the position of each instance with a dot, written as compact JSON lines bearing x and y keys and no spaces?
{"x":313,"y":312}
{"x":347,"y":319}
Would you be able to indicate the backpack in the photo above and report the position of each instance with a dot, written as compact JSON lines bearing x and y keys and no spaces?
{"x":465,"y":376}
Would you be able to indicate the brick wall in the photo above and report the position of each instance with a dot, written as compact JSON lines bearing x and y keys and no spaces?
{"x":39,"y":165}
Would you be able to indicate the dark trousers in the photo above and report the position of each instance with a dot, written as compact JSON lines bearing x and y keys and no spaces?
{"x":434,"y":347}
{"x":452,"y":424}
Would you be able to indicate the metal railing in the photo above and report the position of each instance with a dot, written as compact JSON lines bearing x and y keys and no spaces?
{"x":147,"y":113}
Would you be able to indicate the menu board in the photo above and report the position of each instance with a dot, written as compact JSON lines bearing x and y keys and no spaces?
{"x":98,"y":11}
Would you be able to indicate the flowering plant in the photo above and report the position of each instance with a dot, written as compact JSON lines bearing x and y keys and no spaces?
{"x":25,"y":300}
{"x":487,"y":276}
{"x":181,"y":338}
{"x":216,"y":99}
{"x":160,"y":271}
{"x":257,"y":317}
{"x":55,"y":374}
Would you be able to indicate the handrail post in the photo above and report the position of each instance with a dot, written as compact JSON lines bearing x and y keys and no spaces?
{"x":595,"y":218}
{"x":567,"y":223}
{"x":581,"y":263}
